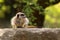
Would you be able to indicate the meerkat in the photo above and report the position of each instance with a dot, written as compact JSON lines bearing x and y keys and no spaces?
{"x":19,"y":21}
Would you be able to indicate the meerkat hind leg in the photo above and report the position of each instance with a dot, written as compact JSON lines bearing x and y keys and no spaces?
{"x":14,"y":27}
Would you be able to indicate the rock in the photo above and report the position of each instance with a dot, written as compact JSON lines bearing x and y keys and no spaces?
{"x":30,"y":34}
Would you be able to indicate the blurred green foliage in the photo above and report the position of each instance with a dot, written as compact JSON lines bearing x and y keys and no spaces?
{"x":52,"y":12}
{"x":52,"y":18}
{"x":26,"y":9}
{"x":29,"y":4}
{"x":1,"y":1}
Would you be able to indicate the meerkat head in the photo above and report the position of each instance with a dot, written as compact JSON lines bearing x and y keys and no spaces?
{"x":20,"y":15}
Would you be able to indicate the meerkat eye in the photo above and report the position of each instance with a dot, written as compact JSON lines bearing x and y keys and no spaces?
{"x":18,"y":15}
{"x":22,"y":14}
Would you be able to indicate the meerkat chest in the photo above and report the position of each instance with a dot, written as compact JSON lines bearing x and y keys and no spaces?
{"x":22,"y":21}
{"x":19,"y":21}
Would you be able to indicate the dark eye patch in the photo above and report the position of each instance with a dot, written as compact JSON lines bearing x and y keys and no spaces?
{"x":17,"y":15}
{"x":22,"y":14}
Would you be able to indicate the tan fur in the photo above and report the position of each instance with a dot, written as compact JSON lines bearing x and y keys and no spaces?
{"x":22,"y":22}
